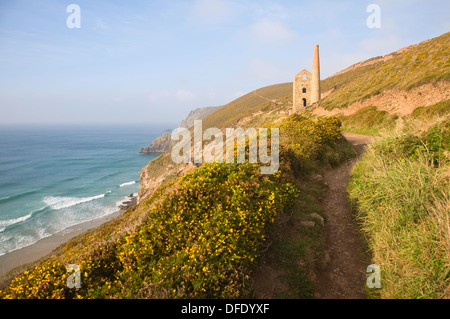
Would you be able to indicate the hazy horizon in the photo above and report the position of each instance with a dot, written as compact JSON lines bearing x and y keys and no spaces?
{"x":155,"y":61}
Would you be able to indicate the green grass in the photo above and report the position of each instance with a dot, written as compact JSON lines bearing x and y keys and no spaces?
{"x":432,"y":112}
{"x":368,"y":121}
{"x":295,"y":249}
{"x":230,"y":114}
{"x":400,"y":192}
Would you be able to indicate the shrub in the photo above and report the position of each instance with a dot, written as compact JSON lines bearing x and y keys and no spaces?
{"x":307,"y":138}
{"x":200,"y":240}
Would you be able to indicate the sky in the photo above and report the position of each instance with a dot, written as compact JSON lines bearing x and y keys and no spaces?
{"x":144,"y":62}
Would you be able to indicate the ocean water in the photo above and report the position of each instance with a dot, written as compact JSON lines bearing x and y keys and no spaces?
{"x":52,"y":178}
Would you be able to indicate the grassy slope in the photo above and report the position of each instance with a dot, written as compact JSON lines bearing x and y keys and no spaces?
{"x":177,"y":243}
{"x":399,"y":189}
{"x":261,"y":107}
{"x":424,"y":63}
{"x":400,"y":193}
{"x":230,"y":115}
{"x":349,"y":87}
{"x":368,"y":121}
{"x":253,"y":102}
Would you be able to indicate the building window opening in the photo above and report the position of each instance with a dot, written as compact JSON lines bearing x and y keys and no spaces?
{"x":304,"y":102}
{"x":304,"y":90}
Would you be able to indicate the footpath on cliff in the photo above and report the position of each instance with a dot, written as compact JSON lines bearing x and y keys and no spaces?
{"x":344,"y":275}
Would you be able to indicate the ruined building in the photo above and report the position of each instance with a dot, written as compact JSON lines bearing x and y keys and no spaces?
{"x":306,"y":85}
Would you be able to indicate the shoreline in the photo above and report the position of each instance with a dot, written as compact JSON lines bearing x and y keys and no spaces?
{"x":45,"y":246}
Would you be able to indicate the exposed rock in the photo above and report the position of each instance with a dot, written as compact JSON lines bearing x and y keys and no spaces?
{"x":197,"y":114}
{"x":317,"y":217}
{"x":162,"y":144}
{"x":316,"y":178}
{"x":396,"y":101}
{"x":132,"y":200}
{"x":326,"y":258}
{"x":159,"y":170}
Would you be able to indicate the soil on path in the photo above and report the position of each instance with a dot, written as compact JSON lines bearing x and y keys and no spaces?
{"x":344,"y":275}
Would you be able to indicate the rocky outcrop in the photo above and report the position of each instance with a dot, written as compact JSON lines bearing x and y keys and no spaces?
{"x":159,"y":171}
{"x":164,"y":143}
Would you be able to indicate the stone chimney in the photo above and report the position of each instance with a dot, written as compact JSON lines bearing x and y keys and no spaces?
{"x":315,"y":78}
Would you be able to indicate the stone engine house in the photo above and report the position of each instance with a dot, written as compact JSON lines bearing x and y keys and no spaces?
{"x":306,"y":86}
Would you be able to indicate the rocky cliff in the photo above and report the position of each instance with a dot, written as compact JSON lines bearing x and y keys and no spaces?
{"x":163,"y":143}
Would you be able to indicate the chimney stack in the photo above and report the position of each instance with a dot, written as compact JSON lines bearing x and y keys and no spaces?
{"x":315,"y":78}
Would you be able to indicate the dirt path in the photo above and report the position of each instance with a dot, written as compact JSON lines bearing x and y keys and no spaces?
{"x":345,"y":274}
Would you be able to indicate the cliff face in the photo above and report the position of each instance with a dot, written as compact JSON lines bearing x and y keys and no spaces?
{"x":163,"y":143}
{"x":197,"y":114}
{"x":159,"y":171}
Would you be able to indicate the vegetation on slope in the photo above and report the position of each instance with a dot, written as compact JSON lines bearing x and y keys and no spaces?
{"x":294,"y":251}
{"x":253,"y":102}
{"x":198,"y":241}
{"x":400,"y":192}
{"x":427,"y":62}
{"x":369,"y":121}
{"x":197,"y":236}
{"x":432,"y":112}
{"x":201,"y":235}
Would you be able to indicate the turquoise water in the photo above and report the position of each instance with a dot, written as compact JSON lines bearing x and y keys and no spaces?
{"x":52,"y":178}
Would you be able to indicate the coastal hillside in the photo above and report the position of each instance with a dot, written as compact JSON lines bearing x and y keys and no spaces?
{"x":255,"y":109}
{"x":176,"y":242}
{"x":199,"y":235}
{"x":403,"y":70}
{"x":222,"y":230}
{"x":399,"y":188}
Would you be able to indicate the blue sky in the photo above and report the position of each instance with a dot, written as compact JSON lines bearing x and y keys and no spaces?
{"x":154,"y":61}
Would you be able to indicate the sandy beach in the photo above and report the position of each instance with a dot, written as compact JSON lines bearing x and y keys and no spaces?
{"x":46,"y":245}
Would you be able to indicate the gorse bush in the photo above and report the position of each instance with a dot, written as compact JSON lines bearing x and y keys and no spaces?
{"x":308,"y":138}
{"x":200,"y":240}
{"x":309,"y":144}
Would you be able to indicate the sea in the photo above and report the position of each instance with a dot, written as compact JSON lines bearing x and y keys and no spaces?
{"x":55,"y":177}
